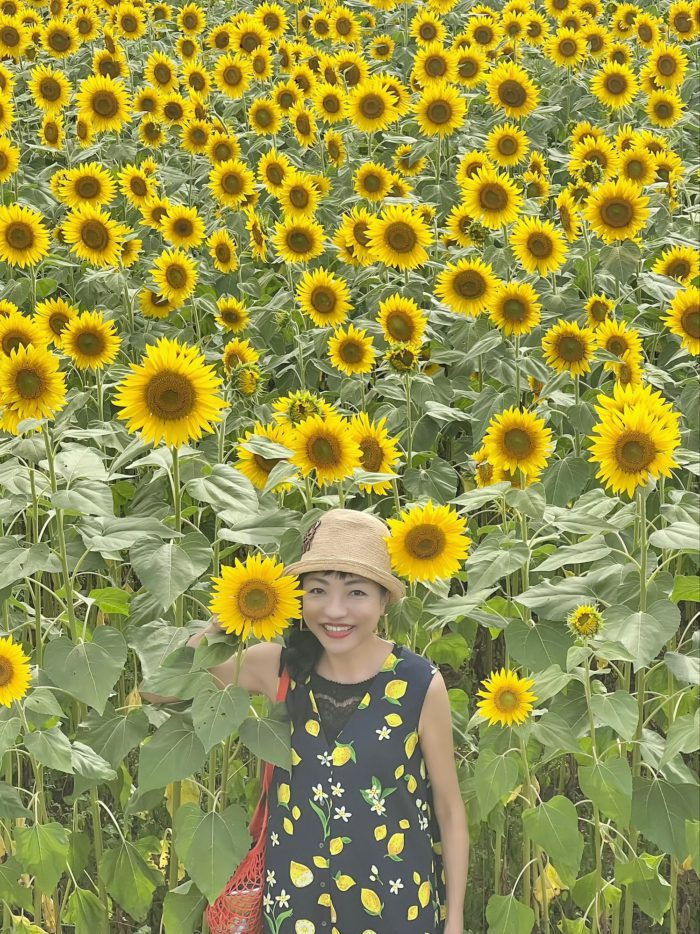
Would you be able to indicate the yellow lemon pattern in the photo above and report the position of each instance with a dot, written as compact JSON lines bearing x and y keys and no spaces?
{"x":353,"y":844}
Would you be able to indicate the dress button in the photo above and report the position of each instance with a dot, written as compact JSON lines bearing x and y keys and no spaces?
{"x":323,"y":885}
{"x":322,"y":845}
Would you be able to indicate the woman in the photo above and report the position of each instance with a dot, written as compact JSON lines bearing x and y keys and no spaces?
{"x":368,"y":835}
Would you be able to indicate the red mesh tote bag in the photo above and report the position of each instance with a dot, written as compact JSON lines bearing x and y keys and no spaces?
{"x":239,"y":908}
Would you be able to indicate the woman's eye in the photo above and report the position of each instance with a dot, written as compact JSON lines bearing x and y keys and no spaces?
{"x":361,"y":592}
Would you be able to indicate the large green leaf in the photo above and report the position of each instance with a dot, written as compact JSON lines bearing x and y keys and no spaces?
{"x":183,"y":909}
{"x":113,"y":735}
{"x":217,"y":713}
{"x":618,"y":710}
{"x":8,"y":733}
{"x":659,"y":812}
{"x":51,"y":748}
{"x":17,"y":562}
{"x":553,"y":599}
{"x":224,"y":487}
{"x":692,"y":840}
{"x":609,"y":786}
{"x":555,"y":734}
{"x":643,"y":634}
{"x":111,"y":536}
{"x":495,"y":776}
{"x":10,"y":803}
{"x":173,"y":752}
{"x":539,"y":646}
{"x":678,"y":536}
{"x":129,"y":879}
{"x":43,"y":850}
{"x":85,"y":911}
{"x":153,"y":642}
{"x":564,"y":479}
{"x":683,"y":736}
{"x":497,"y":556}
{"x":86,"y":497}
{"x":88,"y":670}
{"x":554,"y":826}
{"x":167,"y":570}
{"x":647,"y":887}
{"x":586,"y":888}
{"x":11,"y":891}
{"x":91,"y":766}
{"x":175,"y":676}
{"x":211,"y":845}
{"x":506,"y":915}
{"x":268,"y":739}
{"x":581,"y":553}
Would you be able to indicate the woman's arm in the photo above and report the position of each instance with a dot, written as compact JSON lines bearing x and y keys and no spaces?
{"x":193,"y":641}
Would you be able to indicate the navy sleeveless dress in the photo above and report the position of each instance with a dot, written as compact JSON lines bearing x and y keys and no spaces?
{"x":353,"y":845}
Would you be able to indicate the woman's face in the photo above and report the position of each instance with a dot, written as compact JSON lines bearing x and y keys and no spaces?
{"x":355,"y":604}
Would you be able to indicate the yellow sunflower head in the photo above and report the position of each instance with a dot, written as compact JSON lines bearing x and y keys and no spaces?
{"x":507,"y":698}
{"x":15,"y":673}
{"x":428,"y":542}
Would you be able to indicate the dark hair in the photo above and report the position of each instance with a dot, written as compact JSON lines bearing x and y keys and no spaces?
{"x":303,"y":648}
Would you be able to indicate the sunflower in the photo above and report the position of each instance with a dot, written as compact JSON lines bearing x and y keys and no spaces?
{"x":598,"y":151}
{"x":238,"y":352}
{"x":636,"y":165}
{"x":303,"y":124}
{"x":197,"y":79}
{"x":585,"y":621}
{"x":471,"y":67}
{"x":401,"y":320}
{"x":299,"y":405}
{"x":427,"y":543}
{"x":90,"y":341}
{"x":255,"y":596}
{"x":153,"y":305}
{"x":669,"y":64}
{"x":404,"y":357}
{"x":518,"y":439}
{"x":507,"y":698}
{"x":352,"y":237}
{"x":264,"y":117}
{"x":322,"y":444}
{"x":329,"y":101}
{"x":232,"y":182}
{"x":18,"y":331}
{"x":680,"y":20}
{"x":298,"y":240}
{"x":191,"y":19}
{"x":130,"y":21}
{"x":484,"y":32}
{"x":175,"y":275}
{"x":171,"y":395}
{"x":616,"y":210}
{"x":507,"y":144}
{"x":510,"y":89}
{"x":137,"y":185}
{"x":60,"y":38}
{"x":232,"y":314}
{"x":372,"y":181}
{"x":566,"y":48}
{"x":7,"y":307}
{"x":31,"y":384}
{"x":370,"y":106}
{"x":50,"y":89}
{"x":569,"y":348}
{"x":222,"y":249}
{"x":515,"y":308}
{"x":538,"y":245}
{"x":15,"y":38}
{"x":614,"y":85}
{"x":664,"y":108}
{"x":7,"y":114}
{"x":9,"y":158}
{"x":161,"y":72}
{"x":627,"y":369}
{"x":154,"y":210}
{"x":104,"y":102}
{"x":15,"y":673}
{"x":427,"y":27}
{"x":492,"y":197}
{"x":398,"y":238}
{"x":379,"y":451}
{"x":681,"y":263}
{"x":24,"y":240}
{"x":256,"y":467}
{"x":87,"y":183}
{"x":51,"y":317}
{"x":467,"y":286}
{"x":440,"y":110}
{"x":469,"y":164}
{"x":382,"y":48}
{"x":617,"y":338}
{"x":297,"y":195}
{"x":632,"y":445}
{"x":324,"y":297}
{"x":51,"y":132}
{"x":94,"y":236}
{"x":683,"y":318}
{"x":335,"y":148}
{"x":130,"y":252}
{"x":273,"y":168}
{"x":183,"y":227}
{"x":598,"y":308}
{"x":351,"y":351}
{"x":433,"y":63}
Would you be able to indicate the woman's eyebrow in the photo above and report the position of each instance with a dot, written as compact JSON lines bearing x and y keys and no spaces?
{"x":316,"y":577}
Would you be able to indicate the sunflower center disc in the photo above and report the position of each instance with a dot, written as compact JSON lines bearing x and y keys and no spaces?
{"x":644,"y":33}
{"x":222,"y":41}
{"x":90,"y":344}
{"x":303,"y":125}
{"x":359,"y":232}
{"x":263,"y":116}
{"x":94,"y":235}
{"x":190,"y":21}
{"x":635,"y":169}
{"x":12,"y":342}
{"x":371,"y":454}
{"x":230,"y":317}
{"x":170,"y":396}
{"x":372,"y":106}
{"x":401,"y":237}
{"x":616,"y":84}
{"x":129,"y":24}
{"x":539,"y":245}
{"x":399,"y":326}
{"x":595,"y":43}
{"x":617,"y":346}
{"x":232,"y":76}
{"x":19,"y":236}
{"x":617,"y":213}
{"x":87,"y":188}
{"x":57,"y":322}
{"x":10,"y":36}
{"x":512,"y":93}
{"x":176,"y":277}
{"x":666,"y":65}
{"x":51,"y":132}
{"x":517,"y":442}
{"x":439,"y":111}
{"x":469,"y":284}
{"x":29,"y":384}
{"x":275,"y":174}
{"x":183,"y":227}
{"x":223,"y":253}
{"x":198,"y":136}
{"x":514,"y":310}
{"x":173,"y":111}
{"x":331,"y":105}
{"x":598,"y":311}
{"x":250,"y":42}
{"x":299,"y":242}
{"x":4,"y":161}
{"x":493,"y":198}
{"x":299,"y":197}
{"x":50,"y":89}
{"x":436,"y":66}
{"x":570,"y":349}
{"x":425,"y":541}
{"x":323,"y":452}
{"x":256,"y":600}
{"x":664,"y":110}
{"x":162,"y":74}
{"x":60,"y":41}
{"x":351,"y":352}
{"x":683,"y":22}
{"x":105,"y":104}
{"x":634,"y":452}
{"x":467,"y":68}
{"x":691,"y":322}
{"x":483,"y":35}
{"x":6,"y":672}
{"x":507,"y":146}
{"x":568,"y":48}
{"x":372,"y":182}
{"x":506,"y":700}
{"x":323,"y":300}
{"x":231,"y":183}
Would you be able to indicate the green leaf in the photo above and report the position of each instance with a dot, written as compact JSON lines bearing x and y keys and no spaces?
{"x":581,"y":553}
{"x":683,"y":736}
{"x":692,"y":840}
{"x":609,"y":786}
{"x":183,"y":908}
{"x":86,"y":497}
{"x":555,"y":733}
{"x":585,"y":889}
{"x":175,"y":676}
{"x":506,"y":915}
{"x":11,"y":891}
{"x":439,"y":482}
{"x":565,"y":479}
{"x":643,"y":634}
{"x":539,"y":646}
{"x":648,"y":889}
{"x":659,"y":812}
{"x":268,"y":739}
{"x":495,"y":777}
{"x":554,"y":826}
{"x":449,"y":649}
{"x":218,"y":713}
{"x":113,"y":735}
{"x":85,"y":911}
{"x":224,"y":488}
{"x":42,"y":850}
{"x":684,"y":667}
{"x":678,"y":536}
{"x":112,"y":600}
{"x":129,"y":879}
{"x":8,"y":733}
{"x":167,"y":570}
{"x":51,"y":748}
{"x":76,"y":462}
{"x":530,"y":501}
{"x":11,"y":803}
{"x":153,"y":642}
{"x":495,"y":557}
{"x":619,"y":711}
{"x":554,"y":598}
{"x":88,"y":670}
{"x":173,"y":752}
{"x":111,"y":536}
{"x":210,"y":845}
{"x":686,"y":588}
{"x":87,"y":763}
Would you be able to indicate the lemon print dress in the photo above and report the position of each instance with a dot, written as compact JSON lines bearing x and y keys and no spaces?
{"x":352,"y":841}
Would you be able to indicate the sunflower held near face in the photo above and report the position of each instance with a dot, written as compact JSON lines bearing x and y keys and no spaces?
{"x":518,"y":439}
{"x":323,"y":445}
{"x":172,"y":396}
{"x":256,"y":596}
{"x":507,"y":698}
{"x":427,"y":543}
{"x":15,"y":673}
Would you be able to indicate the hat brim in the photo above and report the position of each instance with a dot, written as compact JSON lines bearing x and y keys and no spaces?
{"x":394,"y":585}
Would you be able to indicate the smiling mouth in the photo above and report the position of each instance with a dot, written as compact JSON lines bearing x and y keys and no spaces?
{"x":337,"y":628}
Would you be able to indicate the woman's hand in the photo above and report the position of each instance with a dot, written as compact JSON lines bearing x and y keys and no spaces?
{"x":454,"y":927}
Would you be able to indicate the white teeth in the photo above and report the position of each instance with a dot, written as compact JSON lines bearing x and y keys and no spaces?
{"x":337,"y":628}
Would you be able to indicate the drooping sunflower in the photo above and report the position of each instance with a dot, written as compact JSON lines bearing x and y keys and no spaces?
{"x":90,"y":341}
{"x":50,"y":89}
{"x":569,"y":348}
{"x":507,"y":698}
{"x":51,"y":317}
{"x":683,"y":318}
{"x":154,"y":305}
{"x":404,"y":357}
{"x":24,"y":240}
{"x":398,"y":237}
{"x":492,"y":197}
{"x":322,"y":445}
{"x":232,"y":183}
{"x":9,"y":158}
{"x":351,"y":351}
{"x":298,"y":240}
{"x":324,"y":297}
{"x":401,"y":320}
{"x":538,"y":245}
{"x":171,"y":395}
{"x":15,"y":672}
{"x":130,"y":251}
{"x":632,"y":445}
{"x":511,"y":89}
{"x":94,"y":235}
{"x":175,"y":275}
{"x":518,"y":439}
{"x":222,"y":249}
{"x":467,"y":286}
{"x":615,"y":85}
{"x":681,"y":263}
{"x":104,"y":102}
{"x":440,"y":109}
{"x":515,"y":308}
{"x":598,"y":308}
{"x":256,"y":596}
{"x":617,"y":337}
{"x":428,"y":543}
{"x":183,"y":227}
{"x":379,"y":451}
{"x":31,"y":384}
{"x":370,"y":106}
{"x":352,"y":237}
{"x":238,"y":352}
{"x":87,"y":183}
{"x":616,"y":210}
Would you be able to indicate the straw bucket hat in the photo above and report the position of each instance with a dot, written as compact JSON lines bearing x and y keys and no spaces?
{"x":347,"y":540}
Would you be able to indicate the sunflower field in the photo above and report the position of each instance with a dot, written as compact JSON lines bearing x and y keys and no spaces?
{"x":433,"y":260}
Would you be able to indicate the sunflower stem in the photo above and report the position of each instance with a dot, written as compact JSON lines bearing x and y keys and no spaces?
{"x":517,"y":369}
{"x":596,"y":814}
{"x":179,"y":608}
{"x":527,"y":871}
{"x":100,"y":394}
{"x":577,"y":434}
{"x":39,"y":647}
{"x":97,"y":841}
{"x":48,"y":445}
{"x":409,"y":421}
